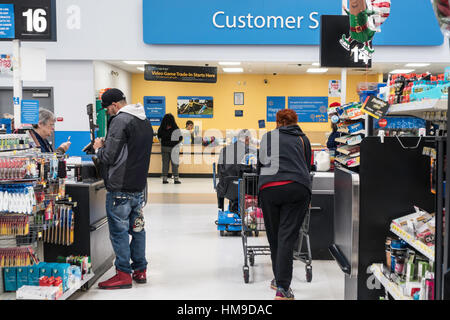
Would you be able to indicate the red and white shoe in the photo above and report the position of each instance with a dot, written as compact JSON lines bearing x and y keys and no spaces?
{"x":121,"y":280}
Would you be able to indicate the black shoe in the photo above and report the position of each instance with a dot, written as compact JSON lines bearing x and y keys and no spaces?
{"x":283,"y":294}
{"x":177,"y":182}
{"x":165,"y":182}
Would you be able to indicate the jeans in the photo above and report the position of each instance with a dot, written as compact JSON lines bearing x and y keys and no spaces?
{"x":122,"y":209}
{"x":284,"y":209}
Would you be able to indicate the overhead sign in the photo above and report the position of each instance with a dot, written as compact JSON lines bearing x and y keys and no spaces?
{"x":267,"y":22}
{"x":28,"y":20}
{"x":155,"y":109}
{"x":332,"y":53}
{"x":155,"y":72}
{"x":309,"y":109}
{"x":274,"y":104}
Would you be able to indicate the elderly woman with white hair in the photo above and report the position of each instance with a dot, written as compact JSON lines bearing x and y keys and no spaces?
{"x":44,"y":130}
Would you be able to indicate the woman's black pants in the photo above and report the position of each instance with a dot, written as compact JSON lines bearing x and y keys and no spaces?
{"x":284,"y":208}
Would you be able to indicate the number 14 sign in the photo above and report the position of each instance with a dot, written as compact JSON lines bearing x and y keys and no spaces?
{"x":34,"y":20}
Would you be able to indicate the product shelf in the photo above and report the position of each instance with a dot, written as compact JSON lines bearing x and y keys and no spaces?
{"x":70,"y":292}
{"x":347,"y":140}
{"x":394,"y":290}
{"x":417,"y":108}
{"x":416,"y":244}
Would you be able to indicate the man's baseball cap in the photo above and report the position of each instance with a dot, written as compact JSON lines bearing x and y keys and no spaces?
{"x":110,"y":96}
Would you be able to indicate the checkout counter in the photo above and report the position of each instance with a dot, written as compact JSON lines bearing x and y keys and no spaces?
{"x":91,"y":234}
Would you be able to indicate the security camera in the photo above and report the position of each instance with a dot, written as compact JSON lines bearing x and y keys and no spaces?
{"x":266,"y":81}
{"x":206,"y":65}
{"x":274,"y":73}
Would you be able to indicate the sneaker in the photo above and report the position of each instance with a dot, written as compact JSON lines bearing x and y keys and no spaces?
{"x":140,"y":276}
{"x":273,"y":284}
{"x":284,"y":294}
{"x":165,"y":182}
{"x":177,"y":182}
{"x":121,"y":280}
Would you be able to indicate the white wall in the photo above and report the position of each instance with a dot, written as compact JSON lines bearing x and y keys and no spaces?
{"x":73,"y":89}
{"x":103,"y":78}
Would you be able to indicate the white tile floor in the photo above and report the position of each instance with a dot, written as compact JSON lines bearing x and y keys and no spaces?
{"x":189,"y":260}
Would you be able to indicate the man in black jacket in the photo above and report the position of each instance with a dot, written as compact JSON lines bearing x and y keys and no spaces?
{"x":125,"y":156}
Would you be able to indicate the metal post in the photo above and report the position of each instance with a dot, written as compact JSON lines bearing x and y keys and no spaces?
{"x":18,"y":86}
{"x":343,"y":70}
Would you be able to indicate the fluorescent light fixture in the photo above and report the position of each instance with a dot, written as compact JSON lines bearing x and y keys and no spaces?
{"x":402,"y":71}
{"x":316,"y":64}
{"x":236,"y":70}
{"x":230,"y":63}
{"x":417,"y":65}
{"x":136,"y":62}
{"x":141,"y":69}
{"x":317,"y":70}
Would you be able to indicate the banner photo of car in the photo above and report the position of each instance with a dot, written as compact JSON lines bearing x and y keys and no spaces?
{"x":195,"y":107}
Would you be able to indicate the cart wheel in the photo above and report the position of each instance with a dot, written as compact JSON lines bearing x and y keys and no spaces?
{"x":256,"y":233}
{"x":308,"y":273}
{"x":222,"y":233}
{"x":246,"y":275}
{"x":252,"y":260}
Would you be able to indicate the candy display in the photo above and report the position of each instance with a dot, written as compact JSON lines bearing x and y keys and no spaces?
{"x":12,"y":257}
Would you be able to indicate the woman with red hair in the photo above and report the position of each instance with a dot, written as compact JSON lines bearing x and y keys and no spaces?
{"x":284,"y":192}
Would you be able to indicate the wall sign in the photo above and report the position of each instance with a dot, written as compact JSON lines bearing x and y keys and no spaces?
{"x":309,"y":109}
{"x":195,"y":107}
{"x":267,"y":22}
{"x":238,"y":98}
{"x":155,"y":109}
{"x":239,"y":113}
{"x":7,"y":26}
{"x":334,"y":88}
{"x":155,"y":72}
{"x":30,"y":112}
{"x":34,"y":20}
{"x":274,"y":104}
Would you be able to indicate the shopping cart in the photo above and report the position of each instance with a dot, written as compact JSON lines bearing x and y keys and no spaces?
{"x":304,"y":254}
{"x":252,"y":220}
{"x":253,"y":223}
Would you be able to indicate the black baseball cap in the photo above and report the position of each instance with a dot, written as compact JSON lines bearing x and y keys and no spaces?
{"x":110,"y":96}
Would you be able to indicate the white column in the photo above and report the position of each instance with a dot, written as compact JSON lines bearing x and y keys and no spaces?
{"x":17,"y":79}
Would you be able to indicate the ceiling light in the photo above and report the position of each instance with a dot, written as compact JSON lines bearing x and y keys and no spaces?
{"x":317,"y":70}
{"x":233,"y":70}
{"x":417,"y":65}
{"x":316,"y":64}
{"x":135,"y":62}
{"x":141,"y":69}
{"x":402,"y":71}
{"x":235,"y":63}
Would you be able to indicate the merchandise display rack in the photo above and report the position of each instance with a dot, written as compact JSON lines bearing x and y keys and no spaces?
{"x":416,"y":244}
{"x":419,"y":108}
{"x":392,"y":288}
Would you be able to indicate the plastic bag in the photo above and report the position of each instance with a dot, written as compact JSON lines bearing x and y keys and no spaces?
{"x":322,"y":161}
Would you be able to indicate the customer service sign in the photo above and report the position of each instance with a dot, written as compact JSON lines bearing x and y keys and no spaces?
{"x":235,"y":22}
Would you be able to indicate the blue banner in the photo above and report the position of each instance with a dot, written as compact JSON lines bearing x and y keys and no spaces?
{"x":309,"y":109}
{"x":268,"y":22}
{"x":7,"y":27}
{"x":30,"y":112}
{"x":401,"y":123}
{"x":155,"y":109}
{"x":274,"y":104}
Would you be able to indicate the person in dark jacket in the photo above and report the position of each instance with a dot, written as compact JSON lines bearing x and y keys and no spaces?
{"x":125,"y":157}
{"x":284,"y":165}
{"x":170,"y":136}
{"x":231,"y":158}
{"x":331,"y":142}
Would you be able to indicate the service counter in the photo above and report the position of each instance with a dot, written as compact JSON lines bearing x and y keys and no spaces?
{"x":91,"y":234}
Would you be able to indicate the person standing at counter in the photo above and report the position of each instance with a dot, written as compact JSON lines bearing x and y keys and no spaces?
{"x":284,"y":167}
{"x":125,"y":156}
{"x":44,"y":130}
{"x":170,"y":136}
